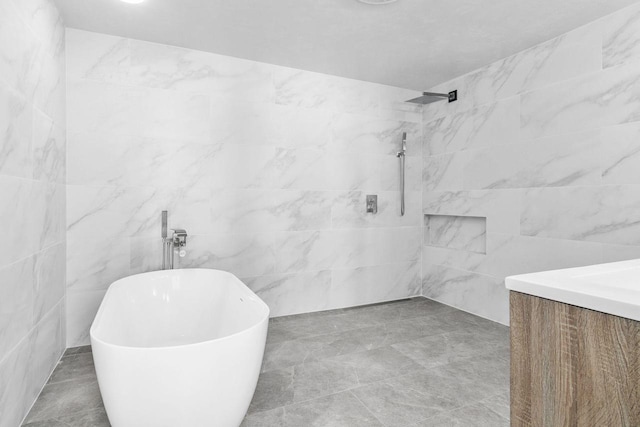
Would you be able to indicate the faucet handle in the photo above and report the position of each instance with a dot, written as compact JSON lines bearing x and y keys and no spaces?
{"x":179,"y":236}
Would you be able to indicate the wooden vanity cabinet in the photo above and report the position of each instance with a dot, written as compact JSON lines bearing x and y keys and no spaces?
{"x":572,"y":366}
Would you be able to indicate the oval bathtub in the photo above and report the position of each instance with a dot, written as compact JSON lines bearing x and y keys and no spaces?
{"x":178,"y":348}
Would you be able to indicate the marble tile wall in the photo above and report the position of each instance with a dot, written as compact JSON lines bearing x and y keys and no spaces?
{"x":32,"y":211}
{"x":266,"y":167}
{"x":545,"y":145}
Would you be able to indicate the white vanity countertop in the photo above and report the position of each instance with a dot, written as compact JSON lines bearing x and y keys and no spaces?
{"x":612,"y":288}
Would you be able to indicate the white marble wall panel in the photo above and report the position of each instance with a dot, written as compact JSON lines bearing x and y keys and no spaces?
{"x":595,"y":100}
{"x":605,"y":214}
{"x":300,"y":251}
{"x":25,"y":370}
{"x":126,"y":160}
{"x":16,"y":305}
{"x":288,"y":252}
{"x":49,"y":96}
{"x":36,"y":215}
{"x":621,"y":37}
{"x":32,"y":171}
{"x":249,"y":254}
{"x":358,"y":134}
{"x":49,"y":149}
{"x":99,"y":57}
{"x":349,"y":210}
{"x":93,"y":264}
{"x":556,"y":161}
{"x":145,"y":254}
{"x":114,"y":160}
{"x":105,"y":58}
{"x":500,"y":207}
{"x":375,"y":246}
{"x":613,"y":253}
{"x":185,"y":70}
{"x":443,"y":172}
{"x":295,"y":292}
{"x":19,"y":64}
{"x":570,"y":55}
{"x":228,"y":119}
{"x":81,"y":309}
{"x":275,"y":210}
{"x":295,"y":127}
{"x":480,"y":294}
{"x":314,"y":90}
{"x":483,"y":126}
{"x":266,"y":167}
{"x":388,"y":167}
{"x":95,"y":107}
{"x":621,"y":155}
{"x":555,"y":177}
{"x":366,"y":285}
{"x":344,"y":249}
{"x":15,"y":133}
{"x":21,"y":239}
{"x":111,"y":212}
{"x":508,"y":254}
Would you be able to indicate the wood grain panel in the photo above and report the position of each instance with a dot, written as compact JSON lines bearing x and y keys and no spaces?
{"x":572,"y":366}
{"x":521,"y":383}
{"x":609,"y":369}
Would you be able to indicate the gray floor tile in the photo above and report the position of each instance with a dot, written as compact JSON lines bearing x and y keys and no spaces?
{"x":421,"y":394}
{"x":396,"y":405}
{"x":449,"y":321}
{"x":66,"y":398}
{"x":490,"y":370}
{"x":77,"y":350}
{"x":302,"y":382}
{"x":337,"y":410}
{"x":499,"y":404}
{"x":93,"y":418}
{"x":377,"y":364}
{"x":308,"y":325}
{"x":389,"y":333}
{"x":445,"y":348}
{"x":271,"y":418}
{"x":47,"y":423}
{"x":74,"y":367}
{"x":325,"y":322}
{"x":406,"y":362}
{"x":284,"y":353}
{"x":469,"y":416}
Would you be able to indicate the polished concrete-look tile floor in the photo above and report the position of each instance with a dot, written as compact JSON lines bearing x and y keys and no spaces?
{"x":406,"y":363}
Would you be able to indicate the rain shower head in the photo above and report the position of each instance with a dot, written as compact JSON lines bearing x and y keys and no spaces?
{"x":429,"y":97}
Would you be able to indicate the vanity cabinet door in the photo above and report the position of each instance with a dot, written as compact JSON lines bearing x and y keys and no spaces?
{"x":572,"y":366}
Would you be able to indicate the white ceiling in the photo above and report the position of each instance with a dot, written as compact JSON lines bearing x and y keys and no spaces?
{"x":412,"y":43}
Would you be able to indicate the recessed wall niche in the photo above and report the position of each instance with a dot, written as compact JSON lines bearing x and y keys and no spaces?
{"x":467,"y":233}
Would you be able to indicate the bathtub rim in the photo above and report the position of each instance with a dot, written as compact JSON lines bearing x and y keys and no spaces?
{"x":99,"y":314}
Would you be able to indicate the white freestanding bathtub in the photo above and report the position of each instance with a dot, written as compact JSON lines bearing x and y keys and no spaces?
{"x":178,"y":348}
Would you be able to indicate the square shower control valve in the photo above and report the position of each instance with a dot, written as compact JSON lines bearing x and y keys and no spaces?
{"x":372,"y":203}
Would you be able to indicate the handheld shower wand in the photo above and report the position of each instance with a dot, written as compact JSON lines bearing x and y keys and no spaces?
{"x":401,"y":155}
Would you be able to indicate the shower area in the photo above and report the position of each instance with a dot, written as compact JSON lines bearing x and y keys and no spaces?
{"x":268,"y":169}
